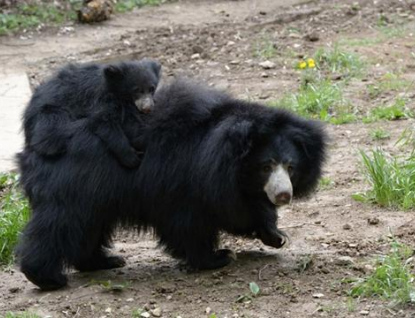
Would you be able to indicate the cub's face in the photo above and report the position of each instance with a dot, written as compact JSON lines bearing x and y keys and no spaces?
{"x":134,"y":81}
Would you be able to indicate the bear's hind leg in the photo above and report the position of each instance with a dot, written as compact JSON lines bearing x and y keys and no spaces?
{"x":39,"y":257}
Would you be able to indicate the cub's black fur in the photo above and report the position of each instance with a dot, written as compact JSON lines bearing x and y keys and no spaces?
{"x":202,"y":173}
{"x":110,"y":96}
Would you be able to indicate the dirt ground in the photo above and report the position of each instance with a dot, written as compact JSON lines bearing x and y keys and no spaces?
{"x":331,"y":236}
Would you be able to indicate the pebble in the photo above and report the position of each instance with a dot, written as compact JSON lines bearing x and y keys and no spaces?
{"x":347,"y":226}
{"x":344,"y":261}
{"x":267,"y":65}
{"x":156,"y":312}
{"x":318,"y":295}
{"x":373,"y":221}
{"x":364,"y":312}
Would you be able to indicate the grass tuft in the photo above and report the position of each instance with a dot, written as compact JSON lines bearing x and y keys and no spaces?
{"x":337,"y":60}
{"x":391,"y":279}
{"x":320,"y":100}
{"x":379,"y":134}
{"x":392,"y":181}
{"x":398,"y":110}
{"x":14,"y":213}
{"x":128,"y":5}
{"x":24,"y":314}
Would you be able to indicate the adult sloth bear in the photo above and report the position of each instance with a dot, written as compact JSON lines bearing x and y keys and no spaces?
{"x":211,"y":164}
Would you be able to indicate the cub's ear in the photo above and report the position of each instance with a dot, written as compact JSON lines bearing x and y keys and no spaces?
{"x":152,"y":65}
{"x":112,"y":71}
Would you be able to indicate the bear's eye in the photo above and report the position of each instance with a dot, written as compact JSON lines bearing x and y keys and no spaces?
{"x":151,"y":90}
{"x":266,"y":168}
{"x":290,"y":169}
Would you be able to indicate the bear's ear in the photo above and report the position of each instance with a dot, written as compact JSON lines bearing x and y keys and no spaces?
{"x":310,"y":137}
{"x":112,"y":71}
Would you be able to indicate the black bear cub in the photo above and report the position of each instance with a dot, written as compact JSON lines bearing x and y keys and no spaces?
{"x":108,"y":98}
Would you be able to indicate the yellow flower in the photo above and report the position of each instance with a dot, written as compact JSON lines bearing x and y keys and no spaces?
{"x":302,"y":65}
{"x":311,"y":63}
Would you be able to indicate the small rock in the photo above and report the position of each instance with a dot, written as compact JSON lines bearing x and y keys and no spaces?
{"x":230,"y":43}
{"x":195,"y":56}
{"x":108,"y":310}
{"x":14,"y":290}
{"x":129,"y":300}
{"x":234,"y":62}
{"x":264,"y":75}
{"x":344,"y":261}
{"x":312,"y":37}
{"x":347,"y":226}
{"x":262,"y":13}
{"x":197,"y":49}
{"x":364,"y":312}
{"x":145,"y":314}
{"x":267,"y":65}
{"x":373,"y":221}
{"x":156,"y":312}
{"x":208,"y":310}
{"x":318,"y":295}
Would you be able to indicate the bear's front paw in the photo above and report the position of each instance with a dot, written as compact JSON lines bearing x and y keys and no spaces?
{"x":275,"y":238}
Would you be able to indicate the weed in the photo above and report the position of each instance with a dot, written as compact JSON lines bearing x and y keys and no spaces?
{"x":128,"y":5}
{"x":32,"y":15}
{"x":379,"y":134}
{"x":397,"y":110}
{"x":321,"y":100}
{"x":109,"y":286}
{"x":326,"y":183}
{"x":336,"y":60}
{"x":392,"y":181}
{"x":391,"y":278}
{"x":24,"y":314}
{"x":387,"y":83}
{"x":254,"y":292}
{"x":265,"y":49}
{"x":14,"y":213}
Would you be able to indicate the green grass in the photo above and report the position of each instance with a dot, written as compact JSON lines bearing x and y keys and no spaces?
{"x":128,"y":5}
{"x":379,"y":134}
{"x":14,"y":213}
{"x":398,"y":110}
{"x":391,"y":279}
{"x":24,"y":314}
{"x":30,"y":16}
{"x":264,"y":49}
{"x":326,"y":183}
{"x":392,"y":180}
{"x":389,"y":82}
{"x":336,"y":60}
{"x":321,"y":100}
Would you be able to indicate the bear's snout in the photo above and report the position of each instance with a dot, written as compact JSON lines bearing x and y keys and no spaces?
{"x":278,"y":186}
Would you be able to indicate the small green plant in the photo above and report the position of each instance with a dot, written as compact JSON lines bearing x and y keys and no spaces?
{"x":396,"y":111}
{"x":379,"y":134}
{"x":128,"y":5}
{"x":392,"y":180}
{"x":14,"y":214}
{"x":264,"y":48}
{"x":254,"y":292}
{"x":109,"y":286}
{"x":326,"y":183}
{"x":387,"y":83}
{"x":24,"y":314}
{"x":336,"y":60}
{"x":391,"y":279}
{"x":322,"y":100}
{"x":137,"y":313}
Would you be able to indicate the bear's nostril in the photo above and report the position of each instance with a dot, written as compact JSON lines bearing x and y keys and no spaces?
{"x":283,"y":198}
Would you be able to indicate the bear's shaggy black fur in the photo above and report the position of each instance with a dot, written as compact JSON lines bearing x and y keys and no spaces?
{"x":208,"y":158}
{"x":109,"y":95}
